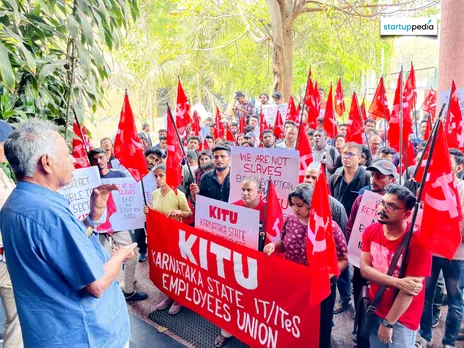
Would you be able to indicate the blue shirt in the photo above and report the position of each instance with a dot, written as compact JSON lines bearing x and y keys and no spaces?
{"x":50,"y":261}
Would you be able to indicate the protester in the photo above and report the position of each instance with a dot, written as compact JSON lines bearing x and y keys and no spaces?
{"x":243,"y":108}
{"x":277,"y":97}
{"x":107,"y":145}
{"x":188,"y":169}
{"x":387,"y":153}
{"x":205,"y":165}
{"x":162,"y":133}
{"x":154,"y":156}
{"x":162,"y":143}
{"x":369,"y":124}
{"x":145,"y":134}
{"x":251,"y":139}
{"x":423,"y":128}
{"x":234,"y":128}
{"x":293,"y":244}
{"x":216,"y":184}
{"x":193,"y":143}
{"x":366,"y":157}
{"x":375,"y":143}
{"x":310,"y":134}
{"x":210,"y":141}
{"x":323,"y":152}
{"x":452,"y":273}
{"x":64,"y":282}
{"x":396,"y":319}
{"x":344,"y":185}
{"x":342,"y":128}
{"x":269,"y":139}
{"x":248,"y":144}
{"x":166,"y":201}
{"x":291,"y":135}
{"x":240,"y":139}
{"x":339,"y":142}
{"x":264,"y":99}
{"x":119,"y":238}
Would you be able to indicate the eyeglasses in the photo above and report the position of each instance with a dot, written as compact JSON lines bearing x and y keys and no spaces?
{"x":349,"y":154}
{"x":389,"y":207}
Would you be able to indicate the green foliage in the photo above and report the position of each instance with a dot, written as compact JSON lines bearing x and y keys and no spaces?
{"x":52,"y":55}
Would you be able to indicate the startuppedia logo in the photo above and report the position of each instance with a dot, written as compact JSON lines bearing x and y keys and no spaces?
{"x":390,"y":26}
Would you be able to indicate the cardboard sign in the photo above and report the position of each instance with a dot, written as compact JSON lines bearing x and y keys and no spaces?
{"x":281,"y":165}
{"x":261,"y":300}
{"x":79,"y":190}
{"x":270,"y":112}
{"x":124,"y":210}
{"x":366,"y":216}
{"x":237,"y":224}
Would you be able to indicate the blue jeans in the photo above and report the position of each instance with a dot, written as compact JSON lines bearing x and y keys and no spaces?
{"x":344,"y":289}
{"x":452,"y":271}
{"x":402,"y":336}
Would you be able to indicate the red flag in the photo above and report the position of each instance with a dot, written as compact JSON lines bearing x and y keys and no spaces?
{"x":379,"y":105}
{"x":127,"y":147}
{"x":262,"y":125}
{"x":320,"y":245}
{"x":242,"y":125}
{"x":440,"y":230}
{"x":306,"y":155}
{"x":279,"y":126}
{"x":410,"y":93}
{"x":79,"y":153}
{"x":229,"y":134}
{"x":317,"y":100}
{"x":339,"y":102}
{"x":430,"y":103}
{"x":205,"y":145}
{"x":314,"y":106}
{"x":355,"y":124}
{"x":308,"y":100}
{"x":183,"y":117}
{"x":428,"y":130}
{"x":174,"y":155}
{"x":196,"y":129}
{"x":292,"y":113}
{"x":219,"y":131}
{"x":454,"y":126}
{"x":274,"y":218}
{"x":330,"y":123}
{"x":363,"y":110}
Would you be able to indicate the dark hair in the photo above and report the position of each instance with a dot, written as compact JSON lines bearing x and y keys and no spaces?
{"x":228,"y":143}
{"x":155,"y":151}
{"x":221,"y":147}
{"x":233,"y":124}
{"x":265,"y":94}
{"x":267,"y":131}
{"x":162,"y":130}
{"x":161,"y":166}
{"x":209,"y":137}
{"x":277,"y":95}
{"x":310,"y":132}
{"x":208,"y":166}
{"x":369,"y":120}
{"x":354,"y":146}
{"x":340,"y":135}
{"x":162,"y":138}
{"x":192,"y":155}
{"x":145,"y":125}
{"x":458,"y":156}
{"x":255,"y":116}
{"x":367,"y":155}
{"x":289,"y":122}
{"x":321,"y":130}
{"x":424,"y":121}
{"x":403,"y":194}
{"x":204,"y":153}
{"x":96,"y":151}
{"x":320,"y":119}
{"x":249,"y":129}
{"x":387,"y":151}
{"x":342,"y":125}
{"x":106,"y":138}
{"x":194,"y":137}
{"x":303,"y":192}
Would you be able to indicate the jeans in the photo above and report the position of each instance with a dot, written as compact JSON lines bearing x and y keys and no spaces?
{"x":402,"y":336}
{"x":451,"y":273}
{"x":344,"y":289}
{"x":439,"y":296}
{"x":327,"y":307}
{"x":139,"y":238}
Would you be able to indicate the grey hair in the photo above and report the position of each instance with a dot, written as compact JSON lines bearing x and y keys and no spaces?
{"x":28,"y":143}
{"x":253,"y":179}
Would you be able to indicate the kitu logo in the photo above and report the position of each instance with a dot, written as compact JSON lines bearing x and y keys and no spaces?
{"x":408,"y":26}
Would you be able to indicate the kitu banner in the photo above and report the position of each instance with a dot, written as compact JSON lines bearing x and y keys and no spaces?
{"x":261,"y":300}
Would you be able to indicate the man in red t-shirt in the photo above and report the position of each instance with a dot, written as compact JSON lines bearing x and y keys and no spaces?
{"x":396,"y":320}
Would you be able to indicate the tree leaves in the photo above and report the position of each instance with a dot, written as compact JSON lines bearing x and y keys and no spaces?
{"x":6,"y":71}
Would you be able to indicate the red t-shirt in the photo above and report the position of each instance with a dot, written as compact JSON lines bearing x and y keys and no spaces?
{"x":260,"y":207}
{"x":419,"y":264}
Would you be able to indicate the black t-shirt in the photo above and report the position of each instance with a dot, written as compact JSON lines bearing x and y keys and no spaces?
{"x":114,"y":173}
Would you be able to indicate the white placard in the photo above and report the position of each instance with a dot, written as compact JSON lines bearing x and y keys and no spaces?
{"x":270,"y":112}
{"x":124,"y":210}
{"x":235,"y":223}
{"x":281,"y":165}
{"x":366,"y":216}
{"x":79,"y":190}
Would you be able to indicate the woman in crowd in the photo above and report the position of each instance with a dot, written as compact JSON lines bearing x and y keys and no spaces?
{"x":165,"y":200}
{"x":293,"y":244}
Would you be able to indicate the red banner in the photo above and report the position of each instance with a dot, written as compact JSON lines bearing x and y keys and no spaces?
{"x":261,"y":300}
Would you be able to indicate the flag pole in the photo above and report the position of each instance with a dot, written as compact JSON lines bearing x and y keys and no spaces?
{"x":180,"y":143}
{"x":415,"y":110}
{"x":401,"y":123}
{"x":343,"y":112}
{"x":419,"y":196}
{"x":304,"y":99}
{"x":265,"y":212}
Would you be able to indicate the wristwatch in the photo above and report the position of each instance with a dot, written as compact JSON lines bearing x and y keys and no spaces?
{"x":386,"y":323}
{"x":92,"y":223}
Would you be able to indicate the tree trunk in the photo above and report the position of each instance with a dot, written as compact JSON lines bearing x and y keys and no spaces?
{"x":287,"y":77}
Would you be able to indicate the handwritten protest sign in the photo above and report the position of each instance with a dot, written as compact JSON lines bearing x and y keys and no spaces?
{"x":270,"y":112}
{"x":79,"y":190}
{"x":282,"y":166}
{"x":237,"y":224}
{"x":124,"y":210}
{"x":366,"y":216}
{"x":261,"y":300}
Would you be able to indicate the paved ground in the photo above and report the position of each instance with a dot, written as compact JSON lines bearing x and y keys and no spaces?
{"x":145,"y":333}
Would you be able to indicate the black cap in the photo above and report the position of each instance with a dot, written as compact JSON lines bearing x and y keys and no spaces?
{"x":239,"y":94}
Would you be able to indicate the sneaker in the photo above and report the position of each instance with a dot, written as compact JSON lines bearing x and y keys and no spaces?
{"x":175,"y":308}
{"x":421,"y":342}
{"x":135,"y":296}
{"x":436,"y":320}
{"x":343,"y":308}
{"x":143,"y":257}
{"x":163,"y":304}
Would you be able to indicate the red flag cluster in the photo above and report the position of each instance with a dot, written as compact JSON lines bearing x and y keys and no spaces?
{"x":355,"y":122}
{"x":454,"y":122}
{"x":79,"y":150}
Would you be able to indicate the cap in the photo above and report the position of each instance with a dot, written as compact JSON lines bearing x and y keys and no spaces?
{"x":250,"y":135}
{"x":5,"y":131}
{"x":277,"y":95}
{"x":383,"y":166}
{"x":239,"y":94}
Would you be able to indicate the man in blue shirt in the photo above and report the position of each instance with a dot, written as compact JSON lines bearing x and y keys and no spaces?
{"x":64,"y":282}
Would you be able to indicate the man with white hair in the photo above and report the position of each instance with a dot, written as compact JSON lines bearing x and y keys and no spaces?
{"x":64,"y":281}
